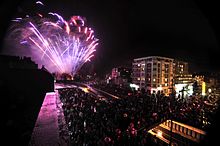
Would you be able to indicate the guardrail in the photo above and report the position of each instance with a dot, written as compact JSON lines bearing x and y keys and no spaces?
{"x":184,"y":130}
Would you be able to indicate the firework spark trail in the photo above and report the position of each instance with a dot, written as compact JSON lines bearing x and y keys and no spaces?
{"x":62,"y":46}
{"x":39,"y":2}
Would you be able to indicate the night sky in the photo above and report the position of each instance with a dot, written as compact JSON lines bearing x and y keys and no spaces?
{"x":185,"y":29}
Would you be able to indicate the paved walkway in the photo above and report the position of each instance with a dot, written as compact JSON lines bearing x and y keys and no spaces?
{"x":46,"y":130}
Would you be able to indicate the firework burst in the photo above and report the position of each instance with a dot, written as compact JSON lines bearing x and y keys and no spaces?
{"x":61,"y":46}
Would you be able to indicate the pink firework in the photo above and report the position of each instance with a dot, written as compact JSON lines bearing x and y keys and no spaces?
{"x":61,"y":46}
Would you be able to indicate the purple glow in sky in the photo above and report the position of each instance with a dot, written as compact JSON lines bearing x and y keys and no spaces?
{"x":61,"y":46}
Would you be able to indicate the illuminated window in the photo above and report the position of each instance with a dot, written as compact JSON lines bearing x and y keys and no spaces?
{"x":166,"y":84}
{"x":165,"y":79}
{"x":143,"y":69}
{"x":138,"y":64}
{"x":143,"y":79}
{"x":154,"y":80}
{"x":138,"y":79}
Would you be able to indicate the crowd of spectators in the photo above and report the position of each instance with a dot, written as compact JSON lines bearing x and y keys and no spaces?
{"x":117,"y":90}
{"x":125,"y":121}
{"x":193,"y":110}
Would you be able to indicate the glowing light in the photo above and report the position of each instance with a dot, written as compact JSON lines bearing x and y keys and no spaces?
{"x":187,"y":87}
{"x":134,"y":86}
{"x":159,"y":133}
{"x":159,"y":88}
{"x":203,"y":88}
{"x":60,"y":45}
{"x":85,"y":90}
{"x":84,"y":124}
{"x":39,"y":2}
{"x":94,"y":109}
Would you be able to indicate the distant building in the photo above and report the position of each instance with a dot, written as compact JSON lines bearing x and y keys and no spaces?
{"x":121,"y":76}
{"x":153,"y":73}
{"x":183,"y":81}
{"x":16,"y":62}
{"x":212,"y":86}
{"x":181,"y":67}
{"x":181,"y":73}
{"x":199,"y":84}
{"x":210,"y":81}
{"x":115,"y":73}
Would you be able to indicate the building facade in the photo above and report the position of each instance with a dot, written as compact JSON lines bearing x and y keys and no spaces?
{"x":121,"y":76}
{"x":181,"y":67}
{"x":181,"y":73}
{"x":207,"y":84}
{"x":153,"y":73}
{"x":16,"y":62}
